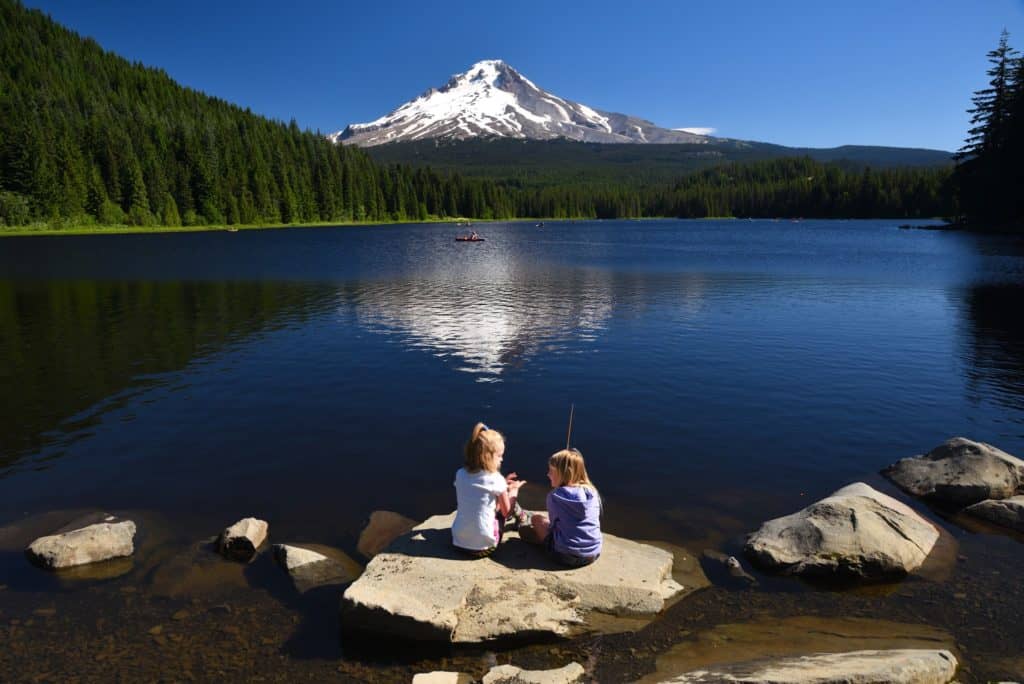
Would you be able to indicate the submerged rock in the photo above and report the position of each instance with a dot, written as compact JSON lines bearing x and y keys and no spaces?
{"x":856,"y":533}
{"x":241,"y":541}
{"x":421,"y":587}
{"x":902,"y":666}
{"x":312,"y":565}
{"x":194,"y":571}
{"x":960,"y":472}
{"x":510,"y":674}
{"x":84,"y":541}
{"x":730,"y":570}
{"x":384,"y":527}
{"x":1005,"y":512}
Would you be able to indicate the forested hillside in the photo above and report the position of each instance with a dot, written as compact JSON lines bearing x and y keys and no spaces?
{"x":544,"y":161}
{"x":88,"y":138}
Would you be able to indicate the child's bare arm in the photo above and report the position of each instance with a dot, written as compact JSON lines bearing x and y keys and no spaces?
{"x":504,"y":504}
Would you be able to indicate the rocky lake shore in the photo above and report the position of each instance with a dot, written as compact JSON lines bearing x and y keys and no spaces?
{"x":882,"y":578}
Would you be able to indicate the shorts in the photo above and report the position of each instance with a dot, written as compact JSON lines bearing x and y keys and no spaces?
{"x":567,"y":559}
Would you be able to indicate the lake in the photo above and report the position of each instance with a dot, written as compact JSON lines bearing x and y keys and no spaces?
{"x":722,"y":373}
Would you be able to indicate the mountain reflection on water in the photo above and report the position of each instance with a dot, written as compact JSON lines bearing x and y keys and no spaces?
{"x":816,"y":337}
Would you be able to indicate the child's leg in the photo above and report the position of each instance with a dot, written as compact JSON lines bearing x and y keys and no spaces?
{"x":537,"y":531}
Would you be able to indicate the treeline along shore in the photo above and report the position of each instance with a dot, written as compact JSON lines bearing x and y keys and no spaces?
{"x":89,"y":139}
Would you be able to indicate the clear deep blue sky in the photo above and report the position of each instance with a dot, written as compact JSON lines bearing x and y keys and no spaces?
{"x":802,"y":73}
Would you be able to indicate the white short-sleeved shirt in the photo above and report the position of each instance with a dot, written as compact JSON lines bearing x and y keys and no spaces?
{"x":473,"y":528}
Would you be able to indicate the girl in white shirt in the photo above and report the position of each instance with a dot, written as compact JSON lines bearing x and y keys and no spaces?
{"x":485,"y":497}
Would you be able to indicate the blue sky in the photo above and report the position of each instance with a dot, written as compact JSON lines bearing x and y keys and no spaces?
{"x":815,"y":74}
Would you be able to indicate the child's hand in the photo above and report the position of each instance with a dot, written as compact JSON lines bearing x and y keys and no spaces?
{"x":514,"y":485}
{"x":510,"y":477}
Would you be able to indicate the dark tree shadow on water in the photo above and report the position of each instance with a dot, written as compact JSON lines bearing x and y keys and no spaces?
{"x":995,"y":348}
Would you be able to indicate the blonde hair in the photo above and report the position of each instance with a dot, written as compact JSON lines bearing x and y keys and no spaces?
{"x":481,"y":447}
{"x":572,"y":472}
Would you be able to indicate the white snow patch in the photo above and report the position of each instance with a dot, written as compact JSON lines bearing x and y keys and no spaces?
{"x":697,"y":130}
{"x":594,"y":116}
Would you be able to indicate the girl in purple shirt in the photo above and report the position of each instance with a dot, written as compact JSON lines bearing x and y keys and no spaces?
{"x":572,"y":528}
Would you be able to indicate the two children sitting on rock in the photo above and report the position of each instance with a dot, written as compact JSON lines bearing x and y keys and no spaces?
{"x":487,"y":502}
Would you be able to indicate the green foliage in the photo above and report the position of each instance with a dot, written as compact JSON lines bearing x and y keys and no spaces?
{"x":83,"y":131}
{"x":15,"y":209}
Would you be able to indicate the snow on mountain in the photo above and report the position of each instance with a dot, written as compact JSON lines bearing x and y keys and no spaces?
{"x":492,"y":99}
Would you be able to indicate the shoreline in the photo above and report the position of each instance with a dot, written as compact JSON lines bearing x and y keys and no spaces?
{"x":44,"y":230}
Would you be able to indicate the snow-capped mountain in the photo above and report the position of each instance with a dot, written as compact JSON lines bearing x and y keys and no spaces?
{"x":492,"y":99}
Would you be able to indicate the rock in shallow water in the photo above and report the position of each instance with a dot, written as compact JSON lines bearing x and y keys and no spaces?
{"x":90,"y":543}
{"x":241,"y":541}
{"x":903,"y":666}
{"x":312,"y":565}
{"x":856,"y":533}
{"x":384,"y":527}
{"x":1005,"y":512}
{"x":960,"y":472}
{"x":422,"y":588}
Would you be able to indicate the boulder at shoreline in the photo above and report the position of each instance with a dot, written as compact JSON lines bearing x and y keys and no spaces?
{"x":421,"y":587}
{"x":855,"y":533}
{"x":98,"y":537}
{"x":959,"y":472}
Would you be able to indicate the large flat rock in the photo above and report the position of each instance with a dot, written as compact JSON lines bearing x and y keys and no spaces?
{"x":421,"y":587}
{"x":856,"y":533}
{"x":772,"y":639}
{"x":898,"y":666}
{"x":960,"y":472}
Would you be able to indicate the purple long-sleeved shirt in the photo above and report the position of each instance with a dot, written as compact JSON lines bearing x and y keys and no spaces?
{"x":574,"y":513}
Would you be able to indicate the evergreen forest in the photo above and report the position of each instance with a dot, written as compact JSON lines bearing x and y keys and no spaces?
{"x":88,"y":138}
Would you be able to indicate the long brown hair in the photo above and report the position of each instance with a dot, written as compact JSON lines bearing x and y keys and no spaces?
{"x":572,"y":472}
{"x":481,"y":447}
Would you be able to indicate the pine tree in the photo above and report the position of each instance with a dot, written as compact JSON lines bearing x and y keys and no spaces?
{"x":986,"y":175}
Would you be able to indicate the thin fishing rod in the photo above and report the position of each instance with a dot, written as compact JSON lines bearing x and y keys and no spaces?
{"x":568,"y":436}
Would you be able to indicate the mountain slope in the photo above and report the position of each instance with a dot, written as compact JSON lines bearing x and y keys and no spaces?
{"x":491,"y":99}
{"x":538,"y":162}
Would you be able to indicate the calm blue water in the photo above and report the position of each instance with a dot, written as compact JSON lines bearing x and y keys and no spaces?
{"x":722,"y":372}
